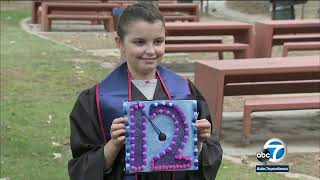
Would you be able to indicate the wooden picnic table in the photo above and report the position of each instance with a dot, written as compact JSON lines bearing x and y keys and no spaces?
{"x":36,"y":4}
{"x":92,"y":11}
{"x":282,"y":75}
{"x":242,"y":33}
{"x":172,"y":11}
{"x":266,"y":32}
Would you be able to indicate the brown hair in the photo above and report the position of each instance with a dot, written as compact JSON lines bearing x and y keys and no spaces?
{"x":136,"y":12}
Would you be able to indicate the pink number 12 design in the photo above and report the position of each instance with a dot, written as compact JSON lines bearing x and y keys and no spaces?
{"x":173,"y":121}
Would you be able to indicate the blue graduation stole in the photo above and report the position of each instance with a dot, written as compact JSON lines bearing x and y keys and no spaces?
{"x":116,"y":88}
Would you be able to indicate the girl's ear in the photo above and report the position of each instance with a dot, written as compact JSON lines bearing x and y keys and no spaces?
{"x":118,"y":42}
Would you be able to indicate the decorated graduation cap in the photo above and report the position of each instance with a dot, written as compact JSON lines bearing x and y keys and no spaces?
{"x":161,"y":135}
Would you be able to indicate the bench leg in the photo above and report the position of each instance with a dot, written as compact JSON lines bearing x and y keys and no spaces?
{"x":34,"y":19}
{"x":39,"y":16}
{"x":220,"y":54}
{"x":241,"y":54}
{"x":285,"y":51}
{"x":45,"y":21}
{"x":46,"y":24}
{"x":95,"y":22}
{"x":108,"y":25}
{"x":247,"y":124}
{"x":115,"y":21}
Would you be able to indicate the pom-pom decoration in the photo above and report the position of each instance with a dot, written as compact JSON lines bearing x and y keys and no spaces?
{"x":161,"y":136}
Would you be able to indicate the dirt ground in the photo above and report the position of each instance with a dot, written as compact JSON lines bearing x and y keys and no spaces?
{"x":250,"y":7}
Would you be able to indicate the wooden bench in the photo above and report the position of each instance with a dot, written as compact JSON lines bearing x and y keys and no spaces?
{"x":36,"y":7}
{"x":189,"y":12}
{"x":191,"y":40}
{"x":299,"y":46}
{"x":277,"y":32}
{"x":177,"y":11}
{"x":180,"y":17}
{"x":94,"y":11}
{"x":241,"y":32}
{"x":281,"y":39}
{"x":239,"y":49}
{"x":275,"y":104}
{"x":280,"y":75}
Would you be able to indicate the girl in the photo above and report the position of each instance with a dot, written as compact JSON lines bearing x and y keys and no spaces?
{"x":97,"y":122}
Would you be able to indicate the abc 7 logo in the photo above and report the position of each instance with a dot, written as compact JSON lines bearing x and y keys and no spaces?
{"x":274,"y":150}
{"x":263,"y":156}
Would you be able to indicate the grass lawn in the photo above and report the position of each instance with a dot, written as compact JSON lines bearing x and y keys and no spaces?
{"x":304,"y":163}
{"x":38,"y":89}
{"x":231,"y":171}
{"x":39,"y":86}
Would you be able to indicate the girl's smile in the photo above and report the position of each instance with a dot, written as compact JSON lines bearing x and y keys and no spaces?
{"x":143,"y":47}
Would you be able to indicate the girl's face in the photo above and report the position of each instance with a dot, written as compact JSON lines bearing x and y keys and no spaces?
{"x":143,"y":47}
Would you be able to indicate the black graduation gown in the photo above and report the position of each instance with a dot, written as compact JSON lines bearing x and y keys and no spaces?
{"x":86,"y":141}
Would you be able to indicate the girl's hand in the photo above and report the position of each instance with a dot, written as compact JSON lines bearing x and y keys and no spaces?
{"x":118,"y":131}
{"x":113,"y":147}
{"x":204,"y":129}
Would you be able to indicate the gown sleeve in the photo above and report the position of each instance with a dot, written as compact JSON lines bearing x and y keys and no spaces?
{"x":211,"y":155}
{"x":86,"y":140}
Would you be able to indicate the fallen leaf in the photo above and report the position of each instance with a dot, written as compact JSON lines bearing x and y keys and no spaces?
{"x":34,"y":154}
{"x":245,"y":160}
{"x":57,"y":155}
{"x":55,"y":144}
{"x":5,"y":178}
{"x":66,"y":141}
